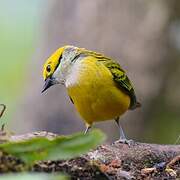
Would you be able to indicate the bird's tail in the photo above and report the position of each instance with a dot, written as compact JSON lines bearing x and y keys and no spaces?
{"x":136,"y":105}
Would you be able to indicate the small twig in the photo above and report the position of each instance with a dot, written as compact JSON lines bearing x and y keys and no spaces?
{"x":147,"y":171}
{"x":173,"y":161}
{"x":2,"y":127}
{"x":2,"y":111}
{"x":176,"y":142}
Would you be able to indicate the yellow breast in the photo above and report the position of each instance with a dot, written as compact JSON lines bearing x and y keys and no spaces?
{"x":95,"y":94}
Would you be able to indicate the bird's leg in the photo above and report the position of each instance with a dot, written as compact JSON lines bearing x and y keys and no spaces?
{"x":88,"y":127}
{"x":121,"y":132}
{"x":123,"y":138}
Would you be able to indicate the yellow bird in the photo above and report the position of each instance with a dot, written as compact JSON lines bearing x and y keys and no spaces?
{"x":97,"y":85}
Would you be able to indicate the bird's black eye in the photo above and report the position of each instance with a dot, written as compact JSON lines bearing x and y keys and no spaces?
{"x":48,"y":68}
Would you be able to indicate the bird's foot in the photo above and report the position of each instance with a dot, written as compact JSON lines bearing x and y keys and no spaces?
{"x":129,"y":142}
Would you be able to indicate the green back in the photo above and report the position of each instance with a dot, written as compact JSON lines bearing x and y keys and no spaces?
{"x":119,"y":75}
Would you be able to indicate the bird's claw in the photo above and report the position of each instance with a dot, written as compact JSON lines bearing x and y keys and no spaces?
{"x":129,"y":142}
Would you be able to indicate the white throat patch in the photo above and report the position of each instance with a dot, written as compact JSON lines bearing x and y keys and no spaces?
{"x":74,"y":75}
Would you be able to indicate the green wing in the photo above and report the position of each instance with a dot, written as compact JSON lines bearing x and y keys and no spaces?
{"x":122,"y":80}
{"x":119,"y":76}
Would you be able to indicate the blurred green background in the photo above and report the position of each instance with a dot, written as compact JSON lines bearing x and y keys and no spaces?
{"x":144,"y":36}
{"x":19,"y":23}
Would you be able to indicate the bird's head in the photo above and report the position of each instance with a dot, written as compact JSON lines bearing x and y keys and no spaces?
{"x":56,"y":64}
{"x":50,"y":67}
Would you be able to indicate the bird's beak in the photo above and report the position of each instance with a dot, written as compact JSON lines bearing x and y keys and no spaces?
{"x":50,"y":81}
